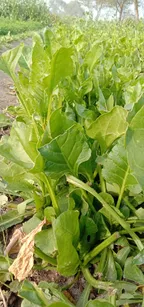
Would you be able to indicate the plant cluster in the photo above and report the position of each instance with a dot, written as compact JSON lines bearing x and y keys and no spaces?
{"x":24,"y":10}
{"x":17,"y":27}
{"x":75,"y":155}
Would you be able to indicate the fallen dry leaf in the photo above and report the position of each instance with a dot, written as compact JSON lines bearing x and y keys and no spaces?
{"x":23,"y":264}
{"x":15,"y":242}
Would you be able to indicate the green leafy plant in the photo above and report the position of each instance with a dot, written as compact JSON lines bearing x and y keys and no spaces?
{"x":76,"y":151}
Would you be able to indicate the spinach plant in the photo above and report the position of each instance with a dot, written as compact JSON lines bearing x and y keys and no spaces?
{"x":75,"y":151}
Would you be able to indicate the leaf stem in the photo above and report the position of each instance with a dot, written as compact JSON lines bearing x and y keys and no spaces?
{"x":45,"y":257}
{"x":122,"y":189}
{"x":113,"y":299}
{"x":102,"y":263}
{"x":92,"y":254}
{"x":46,"y":180}
{"x":96,"y":283}
{"x":125,"y":225}
{"x":133,"y":221}
{"x":49,"y":109}
{"x":102,"y":182}
{"x":89,"y":202}
{"x":131,"y":207}
{"x":136,"y":229}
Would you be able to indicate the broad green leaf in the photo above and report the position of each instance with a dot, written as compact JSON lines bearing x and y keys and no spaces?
{"x":59,"y":304}
{"x":23,"y":181}
{"x":62,"y":66}
{"x":21,"y":147}
{"x":40,"y":65}
{"x":111,"y":273}
{"x":116,"y":168}
{"x":84,"y":296}
{"x":93,"y":56}
{"x":97,"y":303}
{"x":108,"y":127}
{"x":9,"y":60}
{"x":26,"y":303}
{"x":103,"y":230}
{"x":45,"y":241}
{"x":4,"y":121}
{"x":66,"y":230}
{"x":32,"y":293}
{"x":22,"y":206}
{"x":49,"y":213}
{"x":139,"y":258}
{"x":135,"y":146}
{"x":59,"y":123}
{"x":88,"y":230}
{"x":122,"y":254}
{"x":9,"y":219}
{"x":86,"y":87}
{"x":65,"y":153}
{"x":119,"y":271}
{"x":132,"y":272}
{"x":4,"y":265}
{"x":15,"y":286}
{"x":127,"y":286}
{"x":31,"y":224}
{"x":137,"y":106}
{"x":26,"y":58}
{"x":56,"y":292}
{"x":101,"y":103}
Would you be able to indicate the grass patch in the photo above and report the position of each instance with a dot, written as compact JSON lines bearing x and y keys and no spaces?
{"x":15,"y":27}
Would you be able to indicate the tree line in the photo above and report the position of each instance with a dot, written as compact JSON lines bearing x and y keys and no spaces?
{"x":119,"y":8}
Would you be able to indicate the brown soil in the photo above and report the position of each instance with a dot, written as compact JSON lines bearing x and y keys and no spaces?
{"x":7,"y":95}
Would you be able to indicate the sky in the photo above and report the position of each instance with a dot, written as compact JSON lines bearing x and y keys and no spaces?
{"x":141,"y":13}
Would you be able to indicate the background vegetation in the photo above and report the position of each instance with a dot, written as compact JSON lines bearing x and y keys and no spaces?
{"x":24,"y":10}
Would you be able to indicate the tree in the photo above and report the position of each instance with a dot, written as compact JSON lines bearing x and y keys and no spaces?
{"x":120,"y":7}
{"x":136,"y":6}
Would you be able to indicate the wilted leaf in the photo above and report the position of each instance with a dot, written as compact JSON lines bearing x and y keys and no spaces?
{"x":15,"y":242}
{"x":23,"y":264}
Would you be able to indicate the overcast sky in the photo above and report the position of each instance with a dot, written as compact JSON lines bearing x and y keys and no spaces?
{"x":141,"y":13}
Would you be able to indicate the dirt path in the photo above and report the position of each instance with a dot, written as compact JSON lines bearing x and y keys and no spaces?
{"x":7,"y":95}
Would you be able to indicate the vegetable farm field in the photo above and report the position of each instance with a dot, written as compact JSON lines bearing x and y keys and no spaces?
{"x":72,"y":168}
